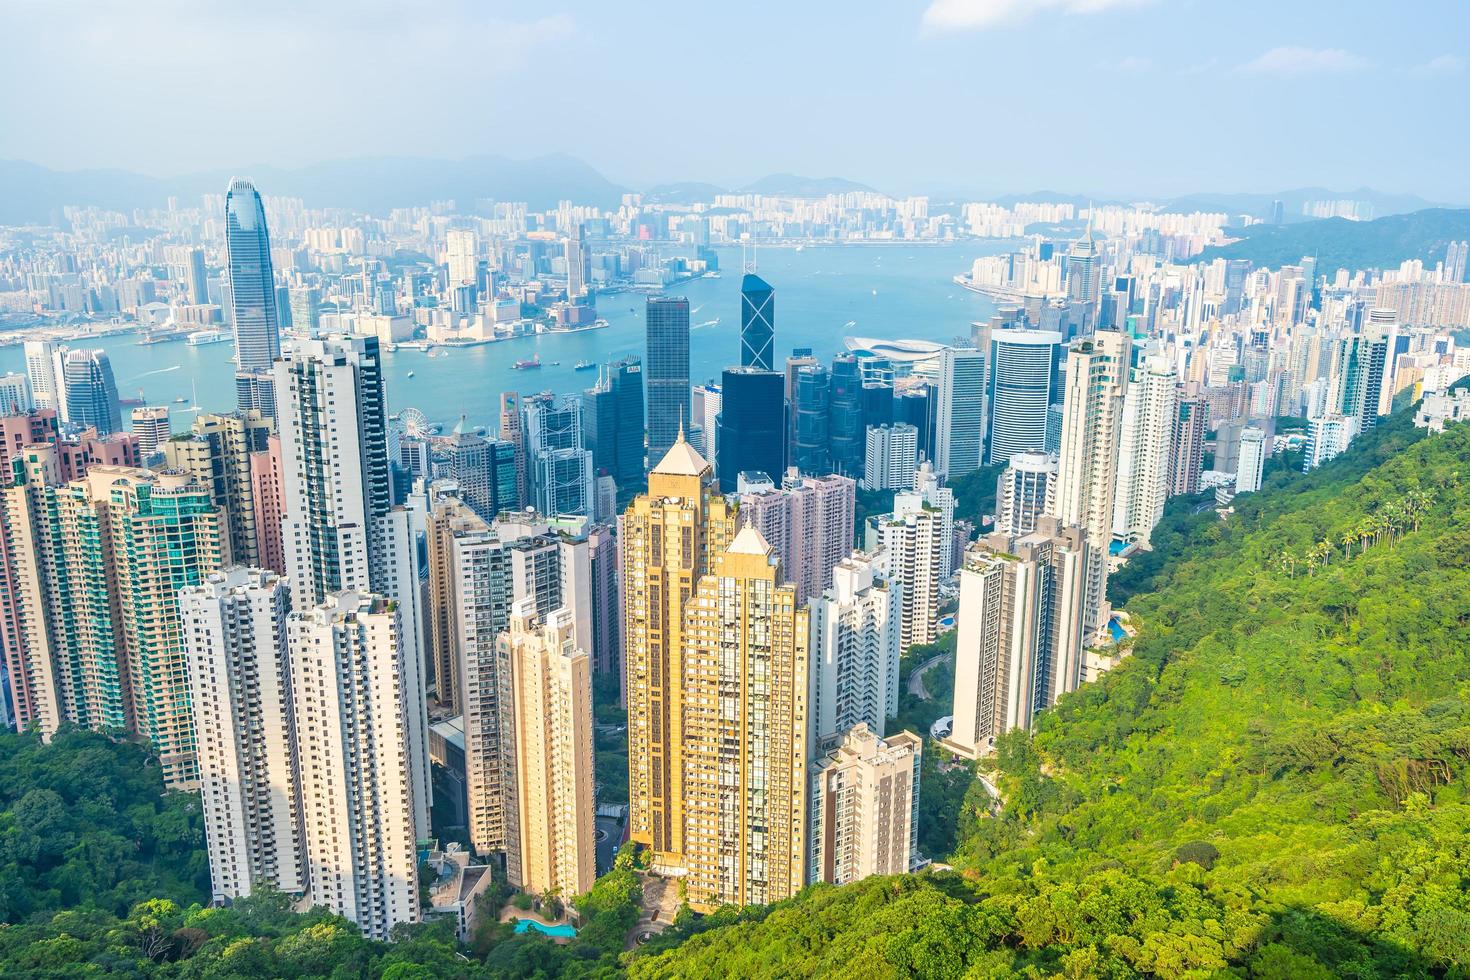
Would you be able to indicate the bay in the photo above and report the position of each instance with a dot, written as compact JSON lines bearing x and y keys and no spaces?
{"x":823,"y":294}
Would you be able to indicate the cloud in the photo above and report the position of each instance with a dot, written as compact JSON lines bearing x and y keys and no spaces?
{"x":1131,"y":65}
{"x":1304,"y":61}
{"x":1445,"y":64}
{"x":975,"y":15}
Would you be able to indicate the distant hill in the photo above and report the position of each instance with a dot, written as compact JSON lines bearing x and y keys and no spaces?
{"x":792,"y":185}
{"x":1260,"y":205}
{"x":683,"y":192}
{"x":32,"y":194}
{"x":1342,"y":244}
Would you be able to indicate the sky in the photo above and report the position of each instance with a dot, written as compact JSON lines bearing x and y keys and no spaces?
{"x":1143,"y":98}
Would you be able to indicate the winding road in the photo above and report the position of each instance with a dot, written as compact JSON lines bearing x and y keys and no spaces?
{"x":916,"y":677}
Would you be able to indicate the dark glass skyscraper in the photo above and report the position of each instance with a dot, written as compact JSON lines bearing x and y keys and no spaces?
{"x":612,"y":421}
{"x":252,"y":282}
{"x":810,"y":395}
{"x":667,"y":372}
{"x":752,"y":421}
{"x":90,"y":391}
{"x":848,"y":438}
{"x":757,"y":323}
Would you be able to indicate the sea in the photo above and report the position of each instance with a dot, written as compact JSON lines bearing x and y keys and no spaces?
{"x":823,"y":294}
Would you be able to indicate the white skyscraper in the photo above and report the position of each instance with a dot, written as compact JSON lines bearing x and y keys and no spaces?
{"x":941,"y":499}
{"x":864,"y":807}
{"x":855,"y":651}
{"x":341,"y":531}
{"x":959,"y":436}
{"x":892,"y":456}
{"x":1150,"y":412}
{"x":1327,"y":436}
{"x":1023,"y":491}
{"x":234,"y":627}
{"x":353,"y":706}
{"x":41,"y":367}
{"x":15,"y":394}
{"x":462,"y":249}
{"x":1087,"y":457}
{"x":1253,"y":452}
{"x":912,"y":541}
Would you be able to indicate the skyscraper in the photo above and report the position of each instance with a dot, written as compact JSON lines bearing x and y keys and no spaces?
{"x":550,"y":756}
{"x":808,"y":521}
{"x":959,"y":378}
{"x":1150,"y":411}
{"x":217,"y":451}
{"x":752,"y":425}
{"x":1087,"y":458}
{"x":809,"y":406}
{"x":670,"y":537}
{"x":914,"y":545}
{"x":1023,"y":492}
{"x":355,"y":701}
{"x":89,"y":393}
{"x":1024,"y":380}
{"x":485,"y":470}
{"x":745,"y":668}
{"x":667,"y":371}
{"x":1254,"y":448}
{"x":757,"y":323}
{"x":579,"y":262}
{"x":846,"y":433}
{"x":1186,"y":459}
{"x":513,"y":431}
{"x":41,"y":369}
{"x":892,"y":457}
{"x":234,"y":628}
{"x":196,"y":278}
{"x":855,"y":651}
{"x":167,"y":534}
{"x":554,"y":449}
{"x":151,"y":425}
{"x":864,"y":804}
{"x":252,"y":281}
{"x":341,"y":531}
{"x":1019,"y":644}
{"x":613,"y":421}
{"x":267,"y":494}
{"x":462,"y":256}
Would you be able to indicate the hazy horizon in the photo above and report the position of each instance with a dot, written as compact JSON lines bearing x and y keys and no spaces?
{"x":1125,"y":98}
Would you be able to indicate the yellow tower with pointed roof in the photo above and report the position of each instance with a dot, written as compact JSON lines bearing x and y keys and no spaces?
{"x":670,"y":537}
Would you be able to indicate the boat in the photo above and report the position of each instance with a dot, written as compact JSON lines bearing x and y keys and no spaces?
{"x":200,"y":338}
{"x":180,"y":400}
{"x":527,"y":365}
{"x":585,"y":366}
{"x":556,"y":363}
{"x":409,"y":375}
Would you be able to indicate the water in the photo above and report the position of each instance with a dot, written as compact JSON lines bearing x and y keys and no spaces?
{"x":823,"y":293}
{"x":558,"y":931}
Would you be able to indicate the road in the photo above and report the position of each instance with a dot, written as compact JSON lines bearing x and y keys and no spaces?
{"x":916,"y":677}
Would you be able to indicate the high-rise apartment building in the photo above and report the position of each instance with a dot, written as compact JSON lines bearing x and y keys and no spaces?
{"x":913,"y":545}
{"x":864,"y":807}
{"x":1087,"y":457}
{"x":1328,"y":436}
{"x":252,"y":293}
{"x":666,"y":372}
{"x":670,"y":538}
{"x":267,"y":494}
{"x":855,"y":651}
{"x":1186,"y":459}
{"x":217,"y":453}
{"x":341,"y":531}
{"x":355,"y":702}
{"x":462,"y":257}
{"x":234,"y":628}
{"x":41,"y":369}
{"x":745,"y":675}
{"x":150,"y":424}
{"x":1019,"y":644}
{"x":513,"y":431}
{"x":809,"y":523}
{"x":757,"y":323}
{"x":1254,"y":448}
{"x":550,"y":755}
{"x":1150,"y":411}
{"x":1022,"y":492}
{"x":167,"y":533}
{"x":15,"y":394}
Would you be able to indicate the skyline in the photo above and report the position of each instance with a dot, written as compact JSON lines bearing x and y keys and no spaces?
{"x":962,"y":76}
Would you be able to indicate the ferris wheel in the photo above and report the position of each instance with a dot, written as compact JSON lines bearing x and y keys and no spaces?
{"x":416,"y":424}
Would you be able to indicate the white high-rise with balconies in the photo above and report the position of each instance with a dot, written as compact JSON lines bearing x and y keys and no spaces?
{"x":354,"y":704}
{"x":1150,"y":412}
{"x":234,"y":627}
{"x":855,"y":650}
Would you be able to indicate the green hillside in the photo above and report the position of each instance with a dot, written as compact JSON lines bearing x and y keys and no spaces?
{"x":1273,"y":785}
{"x":1342,"y":244}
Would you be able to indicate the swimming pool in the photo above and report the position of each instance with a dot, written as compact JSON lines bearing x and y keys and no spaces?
{"x":1118,"y":632}
{"x":559,"y":932}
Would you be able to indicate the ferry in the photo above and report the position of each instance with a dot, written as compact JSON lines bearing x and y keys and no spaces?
{"x":200,"y":338}
{"x":527,"y":365}
{"x":586,"y":366}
